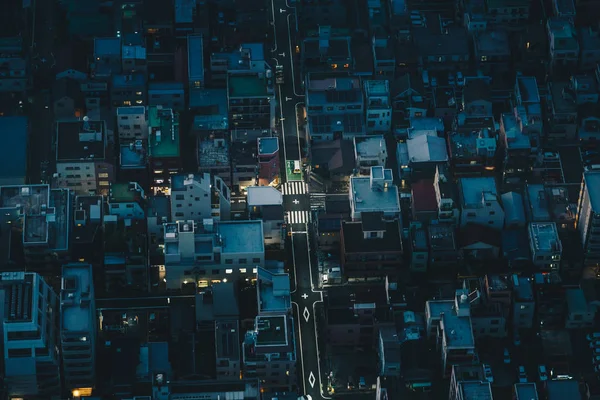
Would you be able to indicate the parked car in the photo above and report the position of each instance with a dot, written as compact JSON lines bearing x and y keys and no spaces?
{"x":596,"y":359}
{"x":506,"y":356}
{"x":460,"y":79}
{"x":522,"y":374}
{"x":516,"y":338}
{"x":595,"y":336}
{"x":487,"y":373}
{"x":451,"y":79}
{"x":542,"y":373}
{"x":595,"y":343}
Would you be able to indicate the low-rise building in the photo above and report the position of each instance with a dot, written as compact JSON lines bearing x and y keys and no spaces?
{"x":563,"y":112}
{"x":167,"y":94}
{"x":268,"y":161}
{"x":589,"y":42}
{"x":15,"y":77}
{"x":580,"y":314}
{"x":44,"y":216}
{"x":446,"y":197}
{"x":195,"y":62}
{"x":133,"y":163}
{"x":128,"y":89}
{"x":273,"y":293}
{"x":127,"y":201}
{"x":480,"y":203}
{"x":525,"y":391}
{"x":251,"y":99}
{"x":378,"y":107}
{"x":269,"y":352}
{"x":82,"y":157}
{"x":199,"y":197}
{"x":212,"y":252}
{"x":564,"y":47}
{"x":329,"y":48}
{"x":420,"y":155}
{"x":227,"y":349}
{"x":371,"y":248}
{"x":132,"y":123}
{"x":213,"y":158}
{"x":523,"y":307}
{"x":469,"y":383}
{"x":14,"y":133}
{"x":545,"y":245}
{"x":369,"y":151}
{"x":492,"y":50}
{"x":473,"y":151}
{"x":375,"y":193}
{"x":266,"y":203}
{"x":163,"y":145}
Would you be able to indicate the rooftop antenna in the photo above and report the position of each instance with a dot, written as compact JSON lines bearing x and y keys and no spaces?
{"x":86,"y":123}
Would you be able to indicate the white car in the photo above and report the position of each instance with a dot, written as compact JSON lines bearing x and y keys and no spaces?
{"x":487,"y":373}
{"x":543,"y":373}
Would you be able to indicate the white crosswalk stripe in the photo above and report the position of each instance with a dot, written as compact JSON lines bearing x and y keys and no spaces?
{"x":298,"y":217}
{"x":294,"y":187}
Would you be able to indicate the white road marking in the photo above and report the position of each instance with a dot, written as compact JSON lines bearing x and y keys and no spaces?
{"x":306,"y":314}
{"x":312,"y":379}
{"x":305,"y":296}
{"x":294,"y":187}
{"x":298,"y":217}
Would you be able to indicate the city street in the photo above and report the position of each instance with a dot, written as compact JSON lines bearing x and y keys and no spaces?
{"x":305,"y":299}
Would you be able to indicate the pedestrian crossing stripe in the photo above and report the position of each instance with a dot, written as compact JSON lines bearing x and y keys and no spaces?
{"x":294,"y":187}
{"x":298,"y":217}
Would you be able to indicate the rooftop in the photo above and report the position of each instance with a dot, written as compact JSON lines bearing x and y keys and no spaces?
{"x":348,"y":123}
{"x":213,"y":153}
{"x":523,"y":288}
{"x":13,"y":135}
{"x":227,"y":338}
{"x":125,"y":193}
{"x":441,"y":237}
{"x":272,"y":331}
{"x":494,"y":43}
{"x":210,"y":108}
{"x":545,"y":236}
{"x":592,"y":187}
{"x":366,"y":197}
{"x":458,"y":331}
{"x":333,"y":91}
{"x":137,"y":79}
{"x":246,"y":86}
{"x":355,"y":242}
{"x":538,"y":202}
{"x":562,"y":103}
{"x":369,"y":146}
{"x":514,"y":135}
{"x":107,"y":47}
{"x":195,"y":58}
{"x":469,"y":144}
{"x":45,"y":213}
{"x":476,"y":390}
{"x":528,"y":89}
{"x":526,"y":391}
{"x":564,"y":34}
{"x":242,"y":237}
{"x":163,"y":140}
{"x":562,"y":389}
{"x":268,"y":145}
{"x":472,"y":190}
{"x":576,"y":301}
{"x":273,"y":292}
{"x":263,"y":196}
{"x":12,"y":284}
{"x":80,"y":140}
{"x":132,"y":157}
{"x":77,"y":292}
{"x":377,"y":88}
{"x":426,"y":148}
{"x":87,"y":219}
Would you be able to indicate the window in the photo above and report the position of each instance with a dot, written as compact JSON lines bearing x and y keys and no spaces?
{"x":255,"y":260}
{"x":242,"y":270}
{"x":215,"y":272}
{"x":229,"y":271}
{"x":103,"y":175}
{"x":242,"y":261}
{"x":229,"y":261}
{"x":373,"y":234}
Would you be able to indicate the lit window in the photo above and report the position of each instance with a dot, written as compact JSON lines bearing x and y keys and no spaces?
{"x":242,"y":270}
{"x":138,"y":102}
{"x":254,"y":270}
{"x":103,"y":175}
{"x":229,"y":271}
{"x":104,"y":183}
{"x":138,"y":93}
{"x":127,"y":103}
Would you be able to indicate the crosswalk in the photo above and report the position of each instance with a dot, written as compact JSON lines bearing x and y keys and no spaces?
{"x":294,"y":187}
{"x":298,"y":217}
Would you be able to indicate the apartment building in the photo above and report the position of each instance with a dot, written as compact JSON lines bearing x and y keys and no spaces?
{"x":564,"y":46}
{"x":163,"y":145}
{"x":580,"y":314}
{"x":167,"y":94}
{"x":269,"y":352}
{"x":212,"y":252}
{"x":128,"y":89}
{"x":369,"y":151}
{"x":523,"y":302}
{"x":375,"y":193}
{"x":127,"y":201}
{"x":472,"y":151}
{"x":133,"y":56}
{"x":266,"y":203}
{"x":545,"y":246}
{"x":249,"y":57}
{"x":31,"y":337}
{"x":378,"y":107}
{"x":227,"y":340}
{"x":44,"y":216}
{"x":15,"y":76}
{"x":480,"y":203}
{"x":335,"y":107}
{"x":251,"y":99}
{"x":78,"y":326}
{"x":445,"y":197}
{"x":328,"y":48}
{"x":528,"y":105}
{"x":588,"y":217}
{"x":199,"y":196}
{"x":107,"y":58}
{"x":273,"y":293}
{"x":469,"y":383}
{"x":132,"y":123}
{"x":83,"y":159}
{"x":449,"y":321}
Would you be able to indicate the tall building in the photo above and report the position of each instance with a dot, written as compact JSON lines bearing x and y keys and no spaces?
{"x":78,"y":326}
{"x":30,"y":335}
{"x":588,"y":217}
{"x":199,"y":196}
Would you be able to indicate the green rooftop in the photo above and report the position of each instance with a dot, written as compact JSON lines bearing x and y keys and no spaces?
{"x":120,"y":193}
{"x":247,"y":86}
{"x":163,"y":140}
